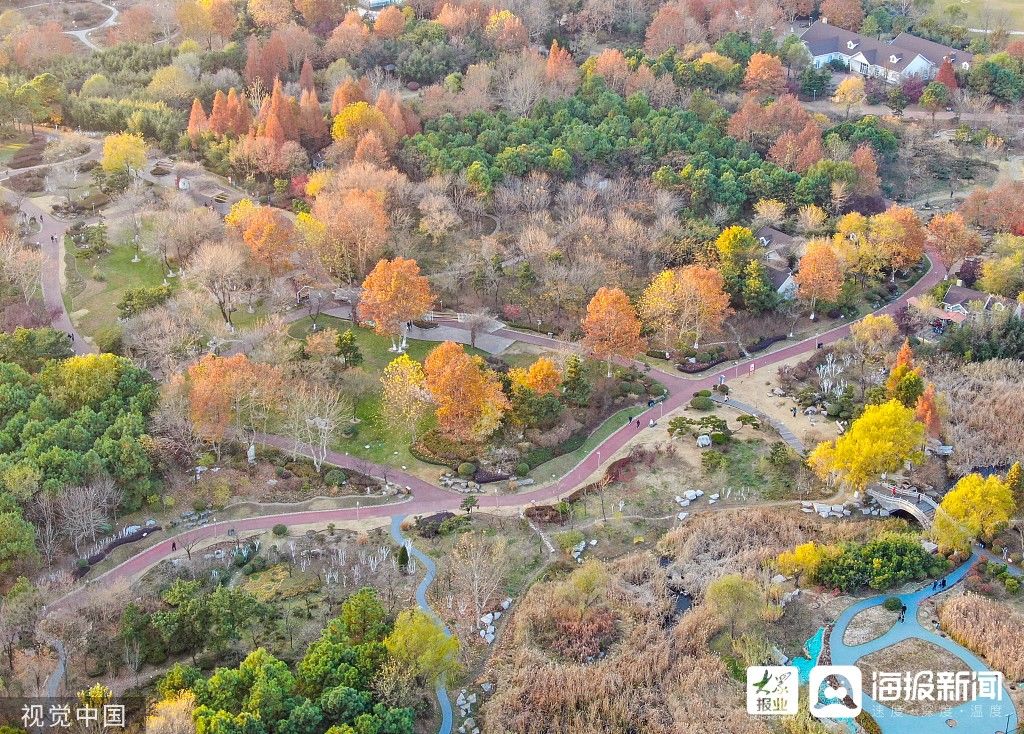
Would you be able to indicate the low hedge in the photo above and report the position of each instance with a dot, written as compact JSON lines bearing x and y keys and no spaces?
{"x":763,"y":344}
{"x":433,"y":448}
{"x":541,"y":329}
{"x":691,"y":368}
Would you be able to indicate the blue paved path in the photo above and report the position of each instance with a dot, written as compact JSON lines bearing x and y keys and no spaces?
{"x":890,"y":721}
{"x":421,"y":598}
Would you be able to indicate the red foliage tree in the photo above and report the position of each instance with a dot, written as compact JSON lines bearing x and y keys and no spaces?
{"x":197,"y":122}
{"x":848,"y":14}
{"x":763,"y":126}
{"x":868,"y":181}
{"x":312,"y":125}
{"x":798,"y":151}
{"x":947,"y":76}
{"x":306,"y":75}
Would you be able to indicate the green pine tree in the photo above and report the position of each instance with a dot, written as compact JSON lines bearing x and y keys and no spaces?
{"x":403,"y":558}
{"x":574,"y":383}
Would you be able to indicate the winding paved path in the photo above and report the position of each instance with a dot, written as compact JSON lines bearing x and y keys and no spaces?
{"x":51,"y":243}
{"x":443,"y":700}
{"x":966,"y":720}
{"x":428,"y":498}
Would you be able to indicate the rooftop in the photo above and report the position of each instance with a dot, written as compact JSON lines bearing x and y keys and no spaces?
{"x":824,"y":38}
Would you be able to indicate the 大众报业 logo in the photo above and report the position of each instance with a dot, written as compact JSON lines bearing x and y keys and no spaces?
{"x":772,"y":690}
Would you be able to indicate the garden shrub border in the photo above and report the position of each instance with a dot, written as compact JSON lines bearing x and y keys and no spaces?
{"x":692,"y":368}
{"x":766,"y":342}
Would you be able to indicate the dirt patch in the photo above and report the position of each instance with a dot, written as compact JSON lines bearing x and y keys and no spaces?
{"x":756,"y":390}
{"x":72,"y":16}
{"x":911,"y":657}
{"x":868,"y":625}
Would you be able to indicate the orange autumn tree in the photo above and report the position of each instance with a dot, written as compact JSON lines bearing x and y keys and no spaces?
{"x":927,"y":411}
{"x":820,"y":277}
{"x":348,"y":92}
{"x":765,"y":75}
{"x":225,"y":393}
{"x":468,"y":397}
{"x":269,"y":236}
{"x":542,"y":377}
{"x":197,"y":122}
{"x":689,"y":300}
{"x":903,"y":366}
{"x":611,"y":327}
{"x":898,"y":235}
{"x":390,"y":23}
{"x":394,"y":293}
{"x":348,"y":229}
{"x":952,"y":239}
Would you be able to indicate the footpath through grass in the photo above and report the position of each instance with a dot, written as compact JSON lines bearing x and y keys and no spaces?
{"x":551,"y":470}
{"x":97,"y":284}
{"x":372,"y":440}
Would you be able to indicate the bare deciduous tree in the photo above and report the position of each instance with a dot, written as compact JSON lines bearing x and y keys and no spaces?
{"x":315,"y":414}
{"x":47,"y":527}
{"x":479,"y":568}
{"x":84,"y":509}
{"x":220,"y":268}
{"x":20,"y":266}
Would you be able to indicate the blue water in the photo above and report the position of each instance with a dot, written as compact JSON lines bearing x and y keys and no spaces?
{"x":813,"y":646}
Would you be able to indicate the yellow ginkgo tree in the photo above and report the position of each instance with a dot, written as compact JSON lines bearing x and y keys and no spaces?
{"x":977,"y":507}
{"x":883,"y":439}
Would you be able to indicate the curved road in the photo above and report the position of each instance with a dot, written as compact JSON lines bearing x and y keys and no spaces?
{"x":966,"y":720}
{"x":83,"y":34}
{"x":428,"y":498}
{"x":51,"y":244}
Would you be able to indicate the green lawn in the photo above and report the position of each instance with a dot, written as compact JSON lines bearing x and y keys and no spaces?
{"x":373,"y":346}
{"x":374,"y":441}
{"x":562,"y":464}
{"x":8,"y":149}
{"x":97,"y":284}
{"x":1012,"y":10}
{"x":745,"y":470}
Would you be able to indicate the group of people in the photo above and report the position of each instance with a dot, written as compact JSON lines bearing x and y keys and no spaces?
{"x":650,"y":423}
{"x":937,"y":585}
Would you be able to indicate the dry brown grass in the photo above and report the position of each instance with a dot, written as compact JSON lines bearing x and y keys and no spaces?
{"x":712,"y":545}
{"x":985,"y":404}
{"x":654,"y":678}
{"x":989,"y":628}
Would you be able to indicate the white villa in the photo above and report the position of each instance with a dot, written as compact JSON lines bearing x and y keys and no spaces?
{"x":903,"y":57}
